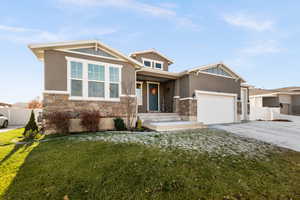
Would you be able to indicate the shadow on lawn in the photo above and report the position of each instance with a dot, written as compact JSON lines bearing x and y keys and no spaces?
{"x":21,"y":145}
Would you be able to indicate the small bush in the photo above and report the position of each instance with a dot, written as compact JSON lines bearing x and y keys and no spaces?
{"x":60,"y":121}
{"x":32,"y":134}
{"x":139,"y":125}
{"x":90,"y":120}
{"x":31,"y":126}
{"x":119,"y":124}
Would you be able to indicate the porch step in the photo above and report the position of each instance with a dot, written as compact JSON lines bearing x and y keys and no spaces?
{"x":174,"y":125}
{"x":158,"y":117}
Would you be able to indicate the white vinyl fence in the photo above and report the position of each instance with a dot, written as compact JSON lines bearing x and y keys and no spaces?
{"x":264,"y":113}
{"x":18,"y":116}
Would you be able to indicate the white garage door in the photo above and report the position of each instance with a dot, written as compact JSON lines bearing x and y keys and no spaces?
{"x":215,"y":108}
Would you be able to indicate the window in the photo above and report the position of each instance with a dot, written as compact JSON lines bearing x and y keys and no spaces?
{"x":114,"y":82}
{"x":139,"y":93}
{"x":152,"y":63}
{"x":147,"y":63}
{"x":93,"y":51}
{"x":218,"y":71}
{"x":158,"y":65}
{"x":76,"y":79}
{"x":96,"y":80}
{"x":93,"y":80}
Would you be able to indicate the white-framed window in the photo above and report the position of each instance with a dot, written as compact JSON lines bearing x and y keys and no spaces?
{"x":147,"y":62}
{"x":152,"y":63}
{"x":96,"y":80}
{"x":114,"y":82}
{"x":91,"y":80}
{"x":139,"y":92}
{"x":158,"y":65}
{"x":76,"y":79}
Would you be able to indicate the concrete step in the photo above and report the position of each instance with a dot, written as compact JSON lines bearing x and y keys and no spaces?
{"x":158,"y":117}
{"x":174,"y":125}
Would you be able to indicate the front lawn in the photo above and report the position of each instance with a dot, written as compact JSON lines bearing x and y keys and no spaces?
{"x":189,"y":165}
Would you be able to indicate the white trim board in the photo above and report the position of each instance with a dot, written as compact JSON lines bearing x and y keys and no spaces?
{"x":215,"y":93}
{"x":86,"y":54}
{"x":153,"y":63}
{"x":55,"y":92}
{"x":85,"y":80}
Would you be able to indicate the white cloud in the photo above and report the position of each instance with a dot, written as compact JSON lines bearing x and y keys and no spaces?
{"x":29,"y":35}
{"x":248,"y":22}
{"x":162,"y":10}
{"x":261,"y":48}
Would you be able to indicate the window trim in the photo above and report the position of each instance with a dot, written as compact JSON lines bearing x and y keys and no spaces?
{"x":158,"y":62}
{"x":85,"y":80}
{"x":114,"y":82}
{"x":148,"y":60}
{"x":141,"y":83}
{"x":76,"y":79}
{"x":153,"y":63}
{"x":97,"y":81}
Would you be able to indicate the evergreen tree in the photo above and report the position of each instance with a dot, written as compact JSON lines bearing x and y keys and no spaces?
{"x":31,"y":125}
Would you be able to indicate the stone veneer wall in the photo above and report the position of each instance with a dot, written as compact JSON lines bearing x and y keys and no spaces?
{"x":108,"y":109}
{"x":187,"y":108}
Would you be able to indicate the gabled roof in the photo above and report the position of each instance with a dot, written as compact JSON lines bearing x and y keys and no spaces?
{"x":153,"y":51}
{"x":222,"y":65}
{"x":38,"y":49}
{"x":272,"y":92}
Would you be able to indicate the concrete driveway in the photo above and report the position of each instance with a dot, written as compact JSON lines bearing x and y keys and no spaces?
{"x":283,"y":134}
{"x":9,"y":128}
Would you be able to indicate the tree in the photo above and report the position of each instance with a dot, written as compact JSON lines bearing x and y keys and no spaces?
{"x":34,"y":104}
{"x":31,"y":126}
{"x":130,"y":103}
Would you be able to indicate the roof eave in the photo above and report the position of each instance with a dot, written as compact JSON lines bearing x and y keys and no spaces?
{"x":38,"y":49}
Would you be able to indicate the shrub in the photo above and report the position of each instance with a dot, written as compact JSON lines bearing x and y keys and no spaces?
{"x":119,"y":124}
{"x":139,"y":125}
{"x":60,"y":121}
{"x":32,"y":134}
{"x":90,"y":120}
{"x":31,"y":126}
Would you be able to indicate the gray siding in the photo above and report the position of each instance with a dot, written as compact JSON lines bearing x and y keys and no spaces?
{"x":153,"y":56}
{"x":190,"y":83}
{"x":55,"y":73}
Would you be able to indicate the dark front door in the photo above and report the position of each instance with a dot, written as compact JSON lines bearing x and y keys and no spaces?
{"x":153,"y":97}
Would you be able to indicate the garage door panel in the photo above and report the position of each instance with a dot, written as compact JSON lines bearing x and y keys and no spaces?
{"x":215,"y":109}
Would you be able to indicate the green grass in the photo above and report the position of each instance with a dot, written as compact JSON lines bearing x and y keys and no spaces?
{"x":7,"y":137}
{"x":104,"y":170}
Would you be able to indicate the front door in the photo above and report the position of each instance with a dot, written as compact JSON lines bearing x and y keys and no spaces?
{"x":153,"y":95}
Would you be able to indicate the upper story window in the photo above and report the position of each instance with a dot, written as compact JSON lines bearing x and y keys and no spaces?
{"x":147,"y":63}
{"x":158,"y":65}
{"x":93,"y":51}
{"x":218,"y":71}
{"x":93,"y":80}
{"x":152,"y":63}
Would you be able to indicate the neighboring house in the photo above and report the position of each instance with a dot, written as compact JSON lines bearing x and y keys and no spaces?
{"x":20,"y":105}
{"x":90,"y":75}
{"x":5,"y":104}
{"x":287,"y":99}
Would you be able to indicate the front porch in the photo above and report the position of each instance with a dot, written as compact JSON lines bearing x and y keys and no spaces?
{"x":155,"y":92}
{"x":167,"y":122}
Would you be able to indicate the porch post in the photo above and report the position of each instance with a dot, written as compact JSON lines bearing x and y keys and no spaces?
{"x":176,"y":96}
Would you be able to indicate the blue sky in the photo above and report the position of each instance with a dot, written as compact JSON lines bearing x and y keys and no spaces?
{"x":257,"y":39}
